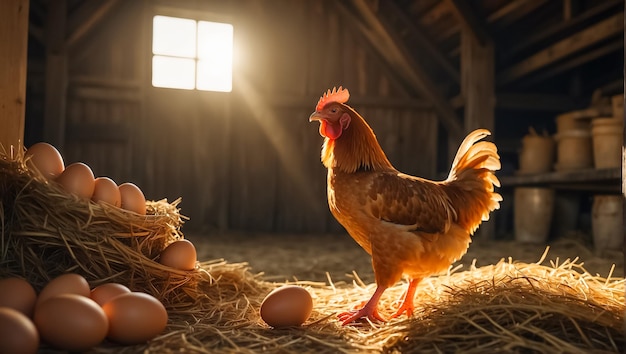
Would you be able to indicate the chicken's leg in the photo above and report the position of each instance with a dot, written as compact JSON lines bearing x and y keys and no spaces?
{"x":407,"y":304}
{"x":370,"y":310}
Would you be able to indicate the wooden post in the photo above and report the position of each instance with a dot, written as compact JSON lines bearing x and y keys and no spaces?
{"x":477,"y":82}
{"x":13,"y":46}
{"x":56,"y":74}
{"x":478,"y":89}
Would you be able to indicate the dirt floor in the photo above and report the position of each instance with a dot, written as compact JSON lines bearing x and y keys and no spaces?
{"x":282,"y":257}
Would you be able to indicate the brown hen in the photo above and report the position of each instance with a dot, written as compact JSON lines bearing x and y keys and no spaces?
{"x":409,"y":225}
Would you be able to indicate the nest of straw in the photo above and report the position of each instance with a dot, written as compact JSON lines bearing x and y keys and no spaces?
{"x":47,"y":232}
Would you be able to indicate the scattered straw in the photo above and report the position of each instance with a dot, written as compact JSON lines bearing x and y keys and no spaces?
{"x":506,"y":307}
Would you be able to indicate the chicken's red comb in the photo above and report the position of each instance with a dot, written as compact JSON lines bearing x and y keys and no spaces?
{"x":340,"y":95}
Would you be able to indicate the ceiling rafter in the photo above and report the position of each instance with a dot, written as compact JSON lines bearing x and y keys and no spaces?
{"x":561,"y":27}
{"x":425,"y":43}
{"x":86,"y":18}
{"x":585,"y":38}
{"x":387,"y":44}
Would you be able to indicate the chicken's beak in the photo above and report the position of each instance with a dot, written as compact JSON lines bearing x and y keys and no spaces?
{"x":315,"y":116}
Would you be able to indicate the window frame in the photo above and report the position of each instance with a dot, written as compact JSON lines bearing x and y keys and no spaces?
{"x":192,"y":14}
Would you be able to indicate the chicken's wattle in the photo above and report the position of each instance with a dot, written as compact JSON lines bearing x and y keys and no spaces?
{"x":329,"y":130}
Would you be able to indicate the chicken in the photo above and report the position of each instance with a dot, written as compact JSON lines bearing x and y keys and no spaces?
{"x":409,"y":225}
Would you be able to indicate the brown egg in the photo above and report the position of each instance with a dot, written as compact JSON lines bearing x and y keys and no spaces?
{"x":71,"y":322}
{"x":17,"y":332}
{"x":179,"y":254}
{"x":46,"y":159}
{"x":17,"y":294}
{"x":69,"y":283}
{"x":135,"y":318}
{"x":289,"y":305}
{"x":105,"y":190}
{"x":105,"y":292}
{"x":77,"y":179}
{"x":132,"y":198}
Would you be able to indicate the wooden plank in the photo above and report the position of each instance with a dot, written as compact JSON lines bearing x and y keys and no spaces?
{"x":56,"y":74}
{"x":590,"y":176}
{"x":83,"y":21}
{"x":591,"y":35}
{"x":13,"y":46}
{"x":385,"y":43}
{"x":105,"y":94}
{"x":100,"y":132}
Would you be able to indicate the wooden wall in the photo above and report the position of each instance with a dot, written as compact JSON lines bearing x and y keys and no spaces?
{"x":246,"y":160}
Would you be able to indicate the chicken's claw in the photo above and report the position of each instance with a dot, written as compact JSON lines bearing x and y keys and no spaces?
{"x":405,"y":308}
{"x":366,"y":312}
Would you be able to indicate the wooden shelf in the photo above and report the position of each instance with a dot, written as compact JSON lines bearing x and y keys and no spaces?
{"x":608,"y":180}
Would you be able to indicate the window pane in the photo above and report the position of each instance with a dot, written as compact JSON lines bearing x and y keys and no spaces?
{"x":173,"y":72}
{"x":215,"y":75}
{"x":174,"y":36}
{"x":215,"y":39}
{"x":215,"y":51}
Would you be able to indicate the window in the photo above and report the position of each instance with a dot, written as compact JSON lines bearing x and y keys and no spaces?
{"x":190,"y":54}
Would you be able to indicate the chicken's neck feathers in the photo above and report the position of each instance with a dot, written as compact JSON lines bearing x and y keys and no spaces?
{"x":356,"y":149}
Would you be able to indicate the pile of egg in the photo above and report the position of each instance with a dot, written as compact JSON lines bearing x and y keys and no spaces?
{"x":79,"y":180}
{"x":68,"y":315}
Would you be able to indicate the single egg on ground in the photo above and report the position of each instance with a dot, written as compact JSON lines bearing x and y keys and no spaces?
{"x":135,"y":318}
{"x":71,"y":322}
{"x":289,"y":305}
{"x":18,"y":333}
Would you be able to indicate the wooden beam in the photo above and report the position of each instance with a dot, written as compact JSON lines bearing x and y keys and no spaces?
{"x":477,"y":82}
{"x":389,"y":48}
{"x":561,"y":27}
{"x":513,"y":11}
{"x":589,"y":36}
{"x":83,"y":21}
{"x":426,"y":43}
{"x":574,"y":62}
{"x":13,"y":46}
{"x":56,"y":74}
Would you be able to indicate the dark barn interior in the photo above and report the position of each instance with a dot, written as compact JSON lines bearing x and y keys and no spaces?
{"x":246,"y":162}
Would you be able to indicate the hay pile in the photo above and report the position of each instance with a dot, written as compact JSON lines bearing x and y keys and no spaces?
{"x":507,"y":307}
{"x":47,"y":232}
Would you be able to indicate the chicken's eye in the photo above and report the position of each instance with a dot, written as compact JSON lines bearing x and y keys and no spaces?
{"x":333,"y":110}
